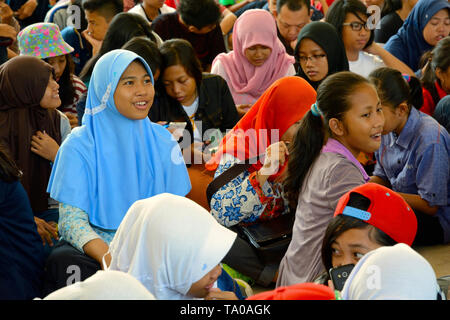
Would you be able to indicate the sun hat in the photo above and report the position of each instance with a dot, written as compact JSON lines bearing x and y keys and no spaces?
{"x":388,"y":211}
{"x":42,"y":40}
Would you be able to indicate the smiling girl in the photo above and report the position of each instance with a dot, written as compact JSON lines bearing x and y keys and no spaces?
{"x":350,"y":19}
{"x":258,"y":58}
{"x":117,"y":157}
{"x":346,"y":119}
{"x":44,"y":41}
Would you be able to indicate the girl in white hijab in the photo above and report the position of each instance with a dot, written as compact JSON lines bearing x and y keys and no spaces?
{"x":392,"y":273}
{"x":173,"y":247}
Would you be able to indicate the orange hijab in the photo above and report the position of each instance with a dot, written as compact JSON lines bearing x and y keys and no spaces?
{"x":284,"y":103}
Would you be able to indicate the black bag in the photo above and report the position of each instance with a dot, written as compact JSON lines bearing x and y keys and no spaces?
{"x":270,"y":238}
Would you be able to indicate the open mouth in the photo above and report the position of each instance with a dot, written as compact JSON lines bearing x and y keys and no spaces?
{"x":141,"y":105}
{"x":376,"y":136}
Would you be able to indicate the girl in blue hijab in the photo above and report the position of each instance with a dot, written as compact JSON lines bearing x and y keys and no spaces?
{"x":116,"y":158}
{"x":427,"y":23}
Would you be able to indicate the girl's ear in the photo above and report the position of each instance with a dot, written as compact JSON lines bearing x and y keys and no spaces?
{"x":336,"y":126}
{"x":402,"y":109}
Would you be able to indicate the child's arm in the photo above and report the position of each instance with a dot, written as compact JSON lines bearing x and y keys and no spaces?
{"x":417,"y":203}
{"x":379,"y":180}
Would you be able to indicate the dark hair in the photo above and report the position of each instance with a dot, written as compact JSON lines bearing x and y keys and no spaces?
{"x":106,"y":8}
{"x":338,"y":11}
{"x":293,"y":5}
{"x":66,"y":88}
{"x":180,"y":52}
{"x":391,"y":6}
{"x":199,"y":13}
{"x":333,"y":101}
{"x":122,"y":28}
{"x":439,"y":57}
{"x":9,"y":172}
{"x":341,"y":223}
{"x":393,"y":88}
{"x":148,"y":50}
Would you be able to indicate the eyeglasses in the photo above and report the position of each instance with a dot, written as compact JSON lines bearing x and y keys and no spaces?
{"x":357,"y":26}
{"x":313,"y":58}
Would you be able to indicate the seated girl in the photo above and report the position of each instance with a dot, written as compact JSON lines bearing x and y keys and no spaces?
{"x":436,"y":76}
{"x":117,"y":157}
{"x":350,"y":19}
{"x":413,"y":158}
{"x":32,"y":129}
{"x":44,"y":41}
{"x":257,"y":193}
{"x":202,"y":101}
{"x":320,"y":52}
{"x":366,"y":218}
{"x":258,"y":58}
{"x":346,"y":120}
{"x":426,"y":25}
{"x":182,"y":264}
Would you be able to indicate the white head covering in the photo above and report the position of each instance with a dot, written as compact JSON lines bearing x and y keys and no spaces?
{"x":104,"y":285}
{"x":169,"y":242}
{"x":391,"y":273}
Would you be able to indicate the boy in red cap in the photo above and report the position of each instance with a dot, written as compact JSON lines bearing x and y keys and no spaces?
{"x":366,"y":218}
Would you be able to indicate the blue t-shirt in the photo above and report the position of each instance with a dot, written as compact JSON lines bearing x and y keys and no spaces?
{"x":417,"y":162}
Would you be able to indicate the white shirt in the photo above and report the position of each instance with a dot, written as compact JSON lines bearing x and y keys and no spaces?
{"x":140,"y":10}
{"x":365,"y":64}
{"x":191,"y":110}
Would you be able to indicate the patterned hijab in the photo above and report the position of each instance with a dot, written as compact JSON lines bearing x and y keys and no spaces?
{"x":23,"y":81}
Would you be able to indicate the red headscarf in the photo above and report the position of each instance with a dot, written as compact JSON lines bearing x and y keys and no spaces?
{"x":284,"y":103}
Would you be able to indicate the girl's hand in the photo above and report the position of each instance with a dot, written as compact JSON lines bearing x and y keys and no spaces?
{"x":44,"y":145}
{"x":217,"y":294}
{"x":242,"y":109}
{"x":6,"y":13}
{"x":276,"y":155}
{"x":47,"y":231}
{"x":73,"y":119}
{"x":7,"y":31}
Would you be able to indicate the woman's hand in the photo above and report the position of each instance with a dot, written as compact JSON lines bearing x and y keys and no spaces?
{"x":242,"y":109}
{"x":73,"y":119}
{"x":217,"y":294}
{"x":47,"y":231}
{"x":44,"y":145}
{"x":6,"y":13}
{"x":7,"y":31}
{"x":275,"y":157}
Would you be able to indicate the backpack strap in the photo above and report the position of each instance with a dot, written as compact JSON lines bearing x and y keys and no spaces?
{"x":227,"y":176}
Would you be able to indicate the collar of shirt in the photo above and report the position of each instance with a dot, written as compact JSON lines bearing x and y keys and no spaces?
{"x":409,"y":130}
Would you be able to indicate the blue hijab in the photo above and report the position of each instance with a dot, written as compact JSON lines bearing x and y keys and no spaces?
{"x":111,"y":161}
{"x":408,"y":44}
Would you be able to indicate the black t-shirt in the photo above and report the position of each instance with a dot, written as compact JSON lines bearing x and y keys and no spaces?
{"x":207,"y":46}
{"x":389,"y":26}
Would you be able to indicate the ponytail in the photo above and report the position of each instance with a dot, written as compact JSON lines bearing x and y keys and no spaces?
{"x":394,"y":88}
{"x":332,"y":102}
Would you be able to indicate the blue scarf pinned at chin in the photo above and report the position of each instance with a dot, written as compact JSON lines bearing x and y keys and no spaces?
{"x":408,"y":44}
{"x":111,"y":161}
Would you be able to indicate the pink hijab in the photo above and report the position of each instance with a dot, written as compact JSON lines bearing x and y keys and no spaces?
{"x":254,"y":27}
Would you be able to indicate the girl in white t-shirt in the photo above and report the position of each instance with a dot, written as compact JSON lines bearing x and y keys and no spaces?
{"x":356,"y":29}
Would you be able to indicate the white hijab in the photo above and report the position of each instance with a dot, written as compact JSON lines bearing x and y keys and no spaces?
{"x":169,"y":242}
{"x":104,"y":285}
{"x":391,"y":273}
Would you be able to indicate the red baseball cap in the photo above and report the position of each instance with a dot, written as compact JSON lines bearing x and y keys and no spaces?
{"x":388,"y":211}
{"x":301,"y":291}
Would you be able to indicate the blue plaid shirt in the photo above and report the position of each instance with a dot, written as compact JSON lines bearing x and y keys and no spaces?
{"x":417,"y":162}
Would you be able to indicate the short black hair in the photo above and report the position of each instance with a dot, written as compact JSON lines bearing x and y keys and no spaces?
{"x":293,"y":5}
{"x":148,"y":50}
{"x":180,"y":52}
{"x":106,"y":8}
{"x":199,"y":13}
{"x":338,"y":11}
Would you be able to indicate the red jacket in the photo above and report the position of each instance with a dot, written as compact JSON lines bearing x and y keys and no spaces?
{"x":428,"y":102}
